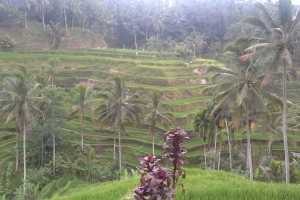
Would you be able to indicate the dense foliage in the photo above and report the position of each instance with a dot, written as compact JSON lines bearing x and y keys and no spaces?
{"x":248,"y":95}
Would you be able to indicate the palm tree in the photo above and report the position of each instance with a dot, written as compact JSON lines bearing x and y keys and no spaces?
{"x":273,"y":127}
{"x":27,"y":6}
{"x":54,"y":113}
{"x":75,"y":7}
{"x":158,"y":23}
{"x":20,"y":101}
{"x":146,"y":19}
{"x":203,"y":124}
{"x":57,"y":32}
{"x":51,"y":70}
{"x":156,"y":116}
{"x":239,"y":89}
{"x":43,"y":6}
{"x":81,"y":100}
{"x":277,"y":48}
{"x":119,"y":106}
{"x":106,"y":19}
{"x":194,"y":40}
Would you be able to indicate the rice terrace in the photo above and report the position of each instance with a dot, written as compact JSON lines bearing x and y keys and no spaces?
{"x":149,"y":99}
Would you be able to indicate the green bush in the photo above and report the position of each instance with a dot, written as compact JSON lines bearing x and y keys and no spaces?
{"x":7,"y":43}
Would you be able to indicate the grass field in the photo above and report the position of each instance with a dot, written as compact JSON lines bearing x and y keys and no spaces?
{"x":208,"y":185}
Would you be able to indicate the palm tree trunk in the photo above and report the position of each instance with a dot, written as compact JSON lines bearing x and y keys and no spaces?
{"x":105,"y":30}
{"x":73,"y":20}
{"x":53,"y":142}
{"x":194,"y":49}
{"x":81,"y":135}
{"x":270,"y":149}
{"x":205,"y":157}
{"x":17,"y":151}
{"x":24,"y":153}
{"x":284,"y":126}
{"x":66,"y":25}
{"x":229,"y":145}
{"x":135,"y":42}
{"x":25,"y":19}
{"x":153,"y":145}
{"x":146,"y":32}
{"x":249,"y":153}
{"x":114,"y":143}
{"x":120,"y":153}
{"x":42,"y":159}
{"x":43,"y":17}
{"x":219,"y":157}
{"x":215,"y":148}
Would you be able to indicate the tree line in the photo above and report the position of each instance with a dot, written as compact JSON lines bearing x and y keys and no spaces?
{"x":139,"y":24}
{"x":253,"y":89}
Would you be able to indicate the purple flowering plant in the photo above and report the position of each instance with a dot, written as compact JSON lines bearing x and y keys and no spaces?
{"x":159,"y":183}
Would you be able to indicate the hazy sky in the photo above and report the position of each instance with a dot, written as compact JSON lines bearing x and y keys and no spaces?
{"x":296,"y":1}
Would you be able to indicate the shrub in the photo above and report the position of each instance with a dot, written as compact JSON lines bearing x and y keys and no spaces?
{"x":7,"y":43}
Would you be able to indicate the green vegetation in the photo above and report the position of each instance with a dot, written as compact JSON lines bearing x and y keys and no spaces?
{"x":198,"y":183}
{"x":69,"y":126}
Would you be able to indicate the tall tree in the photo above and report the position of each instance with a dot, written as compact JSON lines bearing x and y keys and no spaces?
{"x":239,"y":89}
{"x":51,"y":70}
{"x":57,"y":32}
{"x":119,"y":106}
{"x":81,"y":100}
{"x":204,"y":126}
{"x":75,"y":7}
{"x":106,"y":19}
{"x":54,"y":114}
{"x":194,"y":40}
{"x":20,"y":101}
{"x":27,"y":6}
{"x":156,"y":116}
{"x":43,"y":7}
{"x":277,"y":48}
{"x":158,"y":23}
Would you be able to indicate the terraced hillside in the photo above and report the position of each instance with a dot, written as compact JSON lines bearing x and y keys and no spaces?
{"x":143,"y":72}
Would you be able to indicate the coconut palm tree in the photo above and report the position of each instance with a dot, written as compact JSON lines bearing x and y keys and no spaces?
{"x":273,"y":127}
{"x":146,"y":19}
{"x":20,"y":101}
{"x":239,"y":88}
{"x":51,"y":70}
{"x":158,"y":23}
{"x":276,"y":45}
{"x":43,"y":7}
{"x":81,"y":100}
{"x":75,"y":7}
{"x":156,"y":116}
{"x":57,"y":32}
{"x":204,"y":126}
{"x":119,"y":106}
{"x":107,"y":18}
{"x":27,"y":6}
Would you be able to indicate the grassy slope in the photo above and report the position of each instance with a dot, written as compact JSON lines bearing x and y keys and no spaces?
{"x":198,"y":184}
{"x":36,"y":38}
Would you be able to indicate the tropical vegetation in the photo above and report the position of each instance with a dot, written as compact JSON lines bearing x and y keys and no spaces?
{"x":85,"y":83}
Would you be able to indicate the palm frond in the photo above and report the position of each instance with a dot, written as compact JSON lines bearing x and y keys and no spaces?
{"x":266,"y":15}
{"x":256,"y":22}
